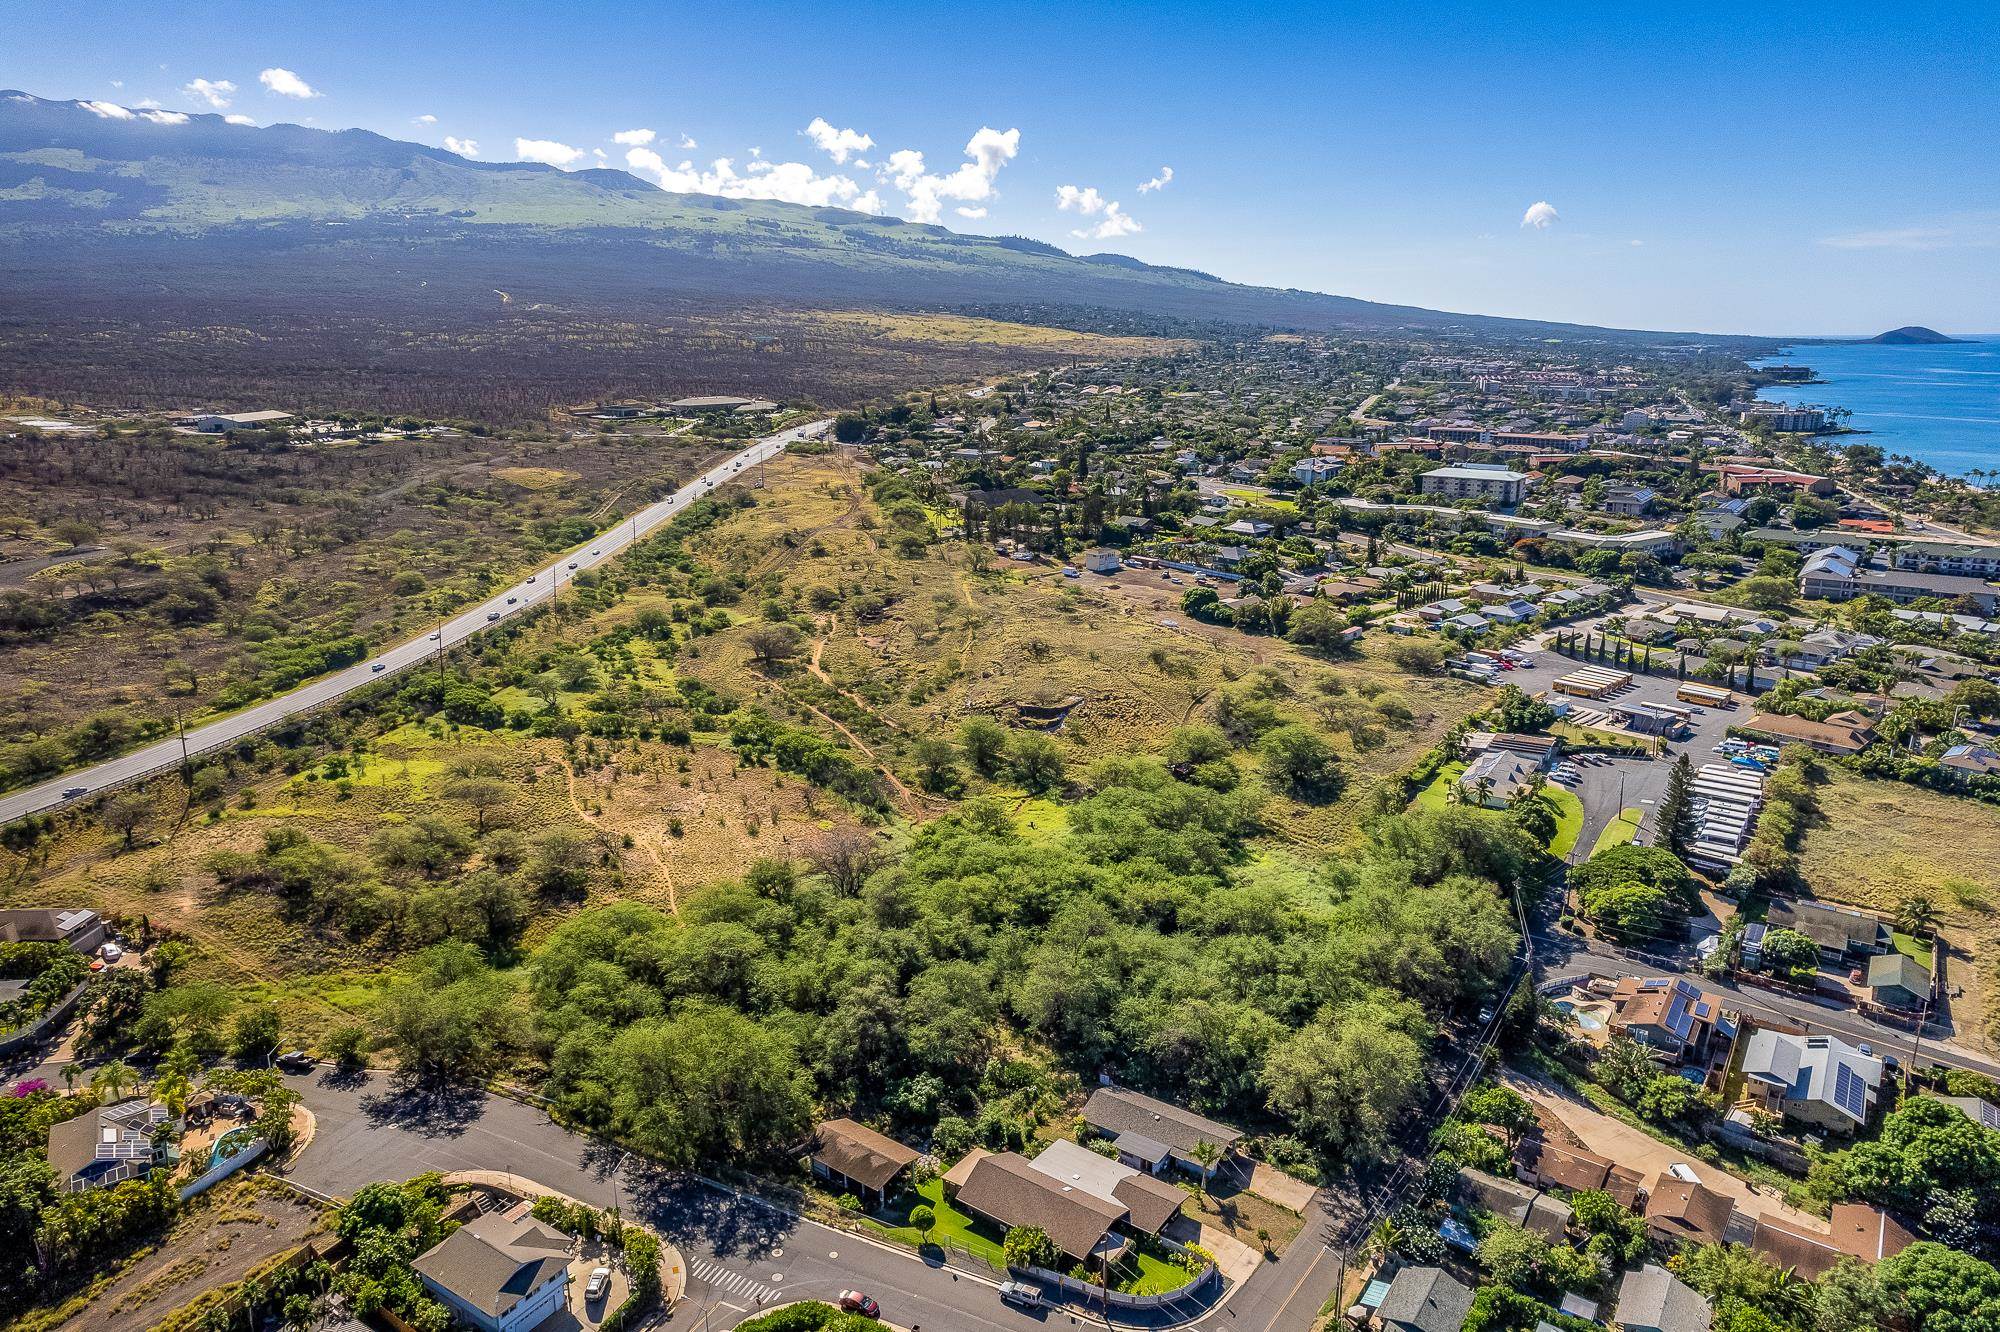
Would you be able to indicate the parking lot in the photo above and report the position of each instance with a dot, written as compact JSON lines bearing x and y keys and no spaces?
{"x":1610,"y":783}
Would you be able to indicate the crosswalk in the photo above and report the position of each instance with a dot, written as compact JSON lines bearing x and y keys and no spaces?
{"x":733,"y":1284}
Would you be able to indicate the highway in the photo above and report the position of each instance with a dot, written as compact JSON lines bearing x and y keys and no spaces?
{"x":533,"y":590}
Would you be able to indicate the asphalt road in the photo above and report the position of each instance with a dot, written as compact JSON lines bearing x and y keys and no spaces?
{"x":743,"y":1254}
{"x":536,"y":588}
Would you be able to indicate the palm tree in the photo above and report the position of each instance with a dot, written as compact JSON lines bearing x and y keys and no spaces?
{"x":1917,"y":915}
{"x":1206,"y":1154}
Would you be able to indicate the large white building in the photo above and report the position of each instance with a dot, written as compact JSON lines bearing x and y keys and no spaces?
{"x":1487,"y":481}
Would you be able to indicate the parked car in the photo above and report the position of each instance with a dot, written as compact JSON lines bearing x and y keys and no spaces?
{"x":111,"y":952}
{"x":853,"y":1301}
{"x":295,"y":1061}
{"x":1021,"y":1293}
{"x":600,"y":1282}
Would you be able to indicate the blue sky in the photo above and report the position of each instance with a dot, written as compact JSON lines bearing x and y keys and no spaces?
{"x":1777,"y":169}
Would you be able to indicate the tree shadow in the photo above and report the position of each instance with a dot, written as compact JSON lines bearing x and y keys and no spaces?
{"x":427,"y":1109}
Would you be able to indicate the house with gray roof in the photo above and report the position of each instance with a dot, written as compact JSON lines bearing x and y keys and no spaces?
{"x":1820,"y":1080}
{"x":1142,"y":1125}
{"x":1425,"y":1299}
{"x":1652,"y":1299}
{"x":501,"y":1272}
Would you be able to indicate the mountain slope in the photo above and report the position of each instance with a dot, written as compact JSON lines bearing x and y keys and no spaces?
{"x":170,"y":189}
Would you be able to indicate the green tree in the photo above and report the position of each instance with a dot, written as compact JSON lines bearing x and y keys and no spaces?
{"x":1030,"y":1246}
{"x":923,"y":1216}
{"x":254,"y":1038}
{"x":1035,"y":761}
{"x":985,"y":744}
{"x":1301,"y":763}
{"x":450,"y":1017}
{"x":1675,"y":817}
{"x":1945,"y":1290}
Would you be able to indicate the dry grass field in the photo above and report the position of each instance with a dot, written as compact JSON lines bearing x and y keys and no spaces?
{"x":1884,"y":841}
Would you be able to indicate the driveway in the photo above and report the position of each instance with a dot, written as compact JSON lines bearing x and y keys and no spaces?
{"x":1620,"y":1142}
{"x":743,"y":1254}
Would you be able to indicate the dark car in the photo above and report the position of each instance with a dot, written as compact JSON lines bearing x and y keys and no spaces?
{"x":853,"y":1301}
{"x":295,"y":1061}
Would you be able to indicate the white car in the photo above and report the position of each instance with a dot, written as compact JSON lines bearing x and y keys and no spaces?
{"x":111,"y":952}
{"x":600,"y":1282}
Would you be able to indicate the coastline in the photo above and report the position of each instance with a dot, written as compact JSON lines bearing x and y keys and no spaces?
{"x":1936,"y":403}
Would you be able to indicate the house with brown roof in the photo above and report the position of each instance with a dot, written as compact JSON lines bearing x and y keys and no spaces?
{"x":1842,"y":733}
{"x":1548,"y":1164}
{"x":1857,"y":1231}
{"x":1086,"y":1202}
{"x":79,"y":927}
{"x":1673,"y":1015}
{"x":1839,"y":931}
{"x":1523,"y":1204}
{"x":854,"y":1157}
{"x":1679,"y":1209}
{"x":502,"y":1272}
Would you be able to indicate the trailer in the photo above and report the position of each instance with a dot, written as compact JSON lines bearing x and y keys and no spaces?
{"x":1593,"y":681}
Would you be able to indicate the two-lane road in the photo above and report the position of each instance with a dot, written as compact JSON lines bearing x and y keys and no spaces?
{"x":533,"y":590}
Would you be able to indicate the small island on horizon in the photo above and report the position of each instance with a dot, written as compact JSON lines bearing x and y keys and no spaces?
{"x":1910,"y":335}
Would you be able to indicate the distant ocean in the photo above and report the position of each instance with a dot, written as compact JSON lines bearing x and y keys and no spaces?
{"x":1939,"y":405}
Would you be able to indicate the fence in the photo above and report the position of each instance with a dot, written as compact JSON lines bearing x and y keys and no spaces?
{"x":1086,"y":1292}
{"x":219,"y":1170}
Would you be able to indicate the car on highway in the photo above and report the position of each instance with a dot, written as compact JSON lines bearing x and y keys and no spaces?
{"x":572,"y":564}
{"x":511,"y":600}
{"x":1021,"y":1293}
{"x":492,"y":616}
{"x":853,"y":1301}
{"x":436,"y":634}
{"x":379,"y":666}
{"x":75,"y":791}
{"x":600,"y":1282}
{"x":531,"y":578}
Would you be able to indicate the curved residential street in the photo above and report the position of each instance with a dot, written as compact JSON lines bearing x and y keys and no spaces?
{"x":538,"y":587}
{"x":743,"y":1254}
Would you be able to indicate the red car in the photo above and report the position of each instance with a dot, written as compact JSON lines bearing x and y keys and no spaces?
{"x":853,"y":1301}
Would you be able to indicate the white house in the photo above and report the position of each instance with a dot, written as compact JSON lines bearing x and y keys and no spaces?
{"x":501,"y":1272}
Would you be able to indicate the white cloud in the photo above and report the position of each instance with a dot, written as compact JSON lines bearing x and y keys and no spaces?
{"x":216,"y":93}
{"x":1112,"y":220}
{"x":1159,"y":182}
{"x":970,"y":212}
{"x":971,"y":183}
{"x":424,"y":120}
{"x":166,"y":117}
{"x":463,"y":147}
{"x":286,"y":84}
{"x":239,"y":120}
{"x":547,"y":151}
{"x":108,"y":110}
{"x":756,"y":152}
{"x":146,"y":104}
{"x":688,"y":144}
{"x":1086,"y":201}
{"x":117,"y":83}
{"x":1637,"y":243}
{"x":785,"y":182}
{"x":839,"y":144}
{"x":1540,"y":216}
{"x":636,"y":138}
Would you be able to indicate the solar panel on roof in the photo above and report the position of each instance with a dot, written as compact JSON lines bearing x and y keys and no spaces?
{"x":1850,"y":1093}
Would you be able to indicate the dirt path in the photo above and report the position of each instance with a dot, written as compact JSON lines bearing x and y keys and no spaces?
{"x":812,"y":665}
{"x":597,"y":821}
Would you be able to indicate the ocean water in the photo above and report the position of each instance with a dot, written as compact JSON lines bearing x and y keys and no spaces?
{"x":1939,"y":405}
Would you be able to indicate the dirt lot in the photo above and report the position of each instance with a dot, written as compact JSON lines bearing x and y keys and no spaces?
{"x":1884,"y":841}
{"x":220,"y":1239}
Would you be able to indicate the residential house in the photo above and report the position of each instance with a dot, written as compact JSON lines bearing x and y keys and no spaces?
{"x":1818,"y":1080}
{"x":1897,"y":980}
{"x":1947,"y":558}
{"x":1006,"y":1189}
{"x":1652,"y":1299}
{"x":1857,"y":1231}
{"x":1149,"y":1203}
{"x":1425,"y":1299}
{"x":1673,"y":1015}
{"x":1496,"y":777}
{"x":1981,"y":1112}
{"x":79,"y":927}
{"x":1628,"y":501}
{"x":1249,"y":527}
{"x":1509,"y":612}
{"x":113,"y":1143}
{"x":500,"y":1272}
{"x":1680,"y":1209}
{"x":1101,"y":560}
{"x":1468,"y":623}
{"x":1142,"y":1123}
{"x":1539,"y":1161}
{"x":1964,"y":763}
{"x":223,"y":423}
{"x":1311,"y":471}
{"x":1542,"y":750}
{"x":1511,"y":1200}
{"x":1841,"y":932}
{"x":854,"y":1158}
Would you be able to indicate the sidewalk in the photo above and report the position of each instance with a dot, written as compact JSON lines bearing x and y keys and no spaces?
{"x":673,"y":1263}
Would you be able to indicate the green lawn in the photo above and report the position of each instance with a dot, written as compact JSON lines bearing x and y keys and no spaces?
{"x":1569,"y":820}
{"x":1139,"y":1273}
{"x":1620,"y":830}
{"x":952,"y":1227}
{"x":1910,"y":946}
{"x":1433,"y":796}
